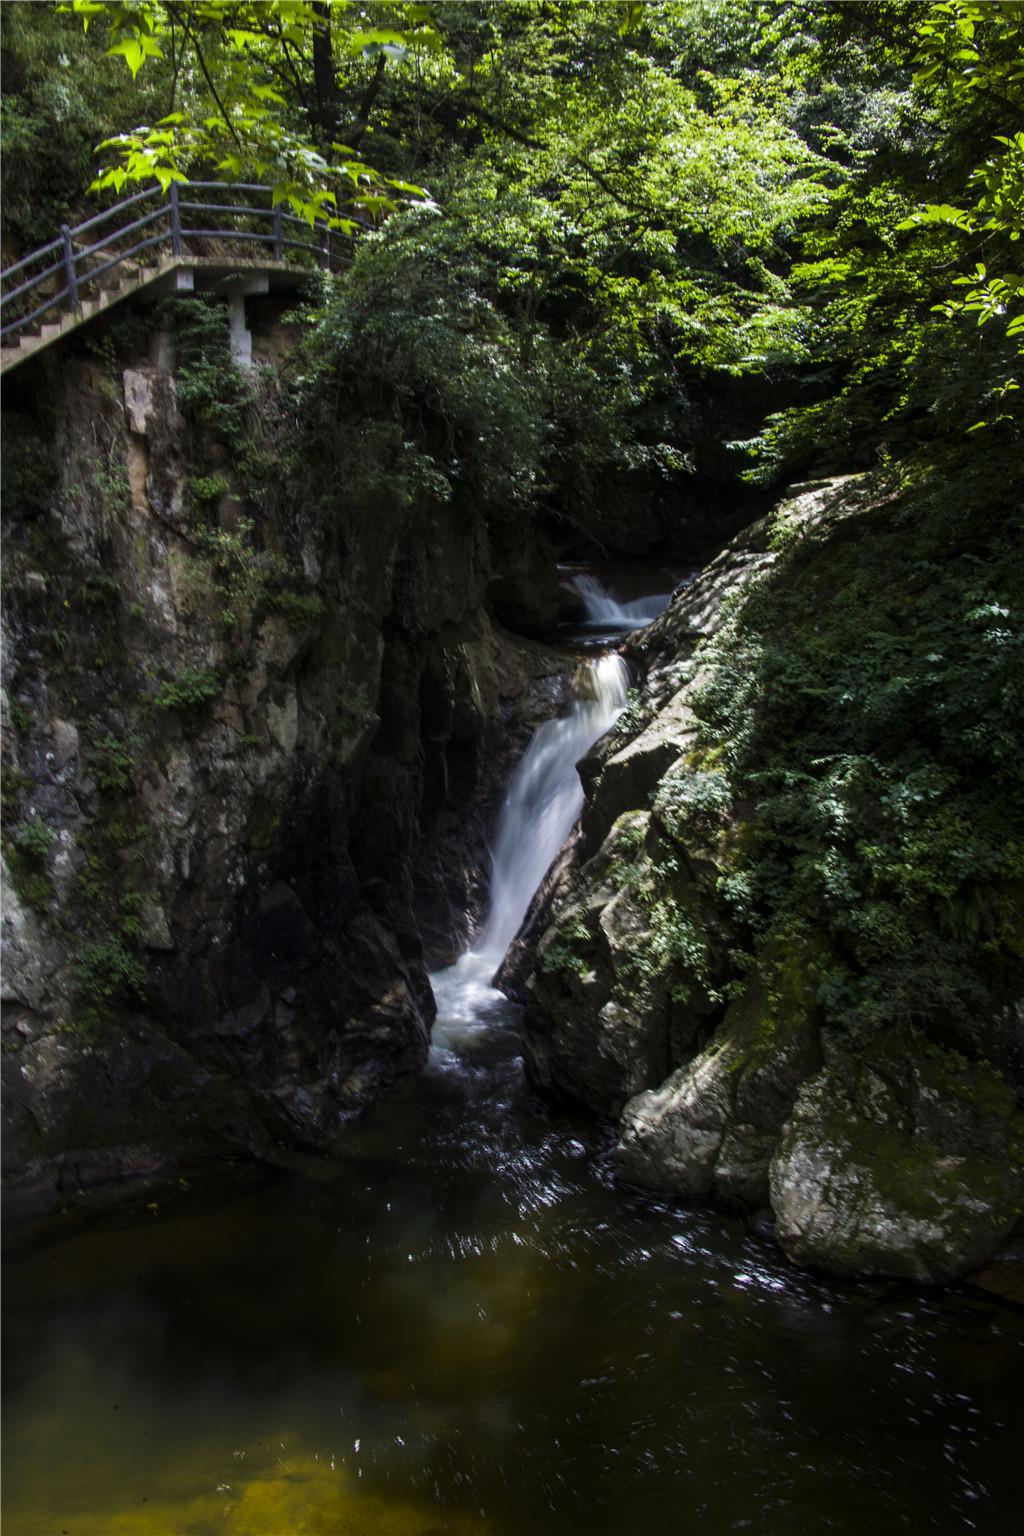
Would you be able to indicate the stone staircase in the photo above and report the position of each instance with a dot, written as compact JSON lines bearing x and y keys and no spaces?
{"x":78,"y":277}
{"x":40,"y":334}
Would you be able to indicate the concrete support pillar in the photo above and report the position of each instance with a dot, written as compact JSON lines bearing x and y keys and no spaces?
{"x":241,"y":336}
{"x":161,"y":351}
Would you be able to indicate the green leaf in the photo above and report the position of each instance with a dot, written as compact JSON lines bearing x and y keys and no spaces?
{"x":136,"y":50}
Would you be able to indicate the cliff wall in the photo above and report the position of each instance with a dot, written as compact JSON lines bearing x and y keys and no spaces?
{"x":256,"y":722}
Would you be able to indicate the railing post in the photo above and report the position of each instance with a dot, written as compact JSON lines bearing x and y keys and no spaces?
{"x":69,"y":267}
{"x":325,"y":251}
{"x":175,"y":221}
{"x":278,"y":235}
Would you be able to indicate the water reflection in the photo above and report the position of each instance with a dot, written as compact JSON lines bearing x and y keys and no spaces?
{"x":467,"y":1329}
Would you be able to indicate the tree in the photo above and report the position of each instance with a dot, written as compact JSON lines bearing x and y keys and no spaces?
{"x":254,"y":93}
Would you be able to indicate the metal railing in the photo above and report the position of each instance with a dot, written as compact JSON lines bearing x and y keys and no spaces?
{"x":60,"y":275}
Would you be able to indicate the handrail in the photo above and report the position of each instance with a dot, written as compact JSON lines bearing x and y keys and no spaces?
{"x":108,"y":213}
{"x":44,"y":250}
{"x":118,"y":234}
{"x":321,"y":248}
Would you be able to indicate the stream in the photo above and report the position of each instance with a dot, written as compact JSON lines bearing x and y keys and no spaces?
{"x":463,"y":1326}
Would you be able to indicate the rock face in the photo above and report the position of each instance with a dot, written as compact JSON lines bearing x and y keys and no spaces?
{"x":897,"y":1167}
{"x":252,"y":726}
{"x":877,"y":1155}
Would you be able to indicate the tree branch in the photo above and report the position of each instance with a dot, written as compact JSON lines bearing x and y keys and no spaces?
{"x":213,"y":89}
{"x":579,"y":161}
{"x":369,"y":101}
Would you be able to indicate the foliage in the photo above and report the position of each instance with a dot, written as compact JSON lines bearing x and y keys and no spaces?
{"x":59,"y":97}
{"x":189,"y":691}
{"x":229,"y":65}
{"x":210,"y":385}
{"x":865,"y":701}
{"x":914,"y":204}
{"x":966,"y":49}
{"x":112,"y":760}
{"x":35,"y":838}
{"x":107,"y":974}
{"x":564,"y":956}
{"x":640,"y":206}
{"x":205,"y":491}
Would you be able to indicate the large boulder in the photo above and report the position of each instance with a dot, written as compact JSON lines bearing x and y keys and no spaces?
{"x":711,"y":1128}
{"x":624,"y":981}
{"x":899,"y":1162}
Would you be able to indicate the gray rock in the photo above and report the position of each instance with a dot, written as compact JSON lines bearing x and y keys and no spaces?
{"x":257,"y":863}
{"x":896,"y":1164}
{"x":713,"y":1125}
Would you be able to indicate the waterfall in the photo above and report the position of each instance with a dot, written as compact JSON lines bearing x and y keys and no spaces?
{"x":604,"y":612}
{"x":544,"y":798}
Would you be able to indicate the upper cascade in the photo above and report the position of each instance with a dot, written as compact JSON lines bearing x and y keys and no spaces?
{"x":606,"y":612}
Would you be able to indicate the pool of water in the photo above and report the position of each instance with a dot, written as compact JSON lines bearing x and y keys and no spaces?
{"x":459,"y":1325}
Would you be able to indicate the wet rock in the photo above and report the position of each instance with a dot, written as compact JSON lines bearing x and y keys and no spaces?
{"x":629,"y":777}
{"x":712,"y":1127}
{"x":592,"y":1028}
{"x":762,"y":1223}
{"x":897,"y":1164}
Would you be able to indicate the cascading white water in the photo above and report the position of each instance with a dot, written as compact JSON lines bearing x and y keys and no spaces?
{"x":544,"y":798}
{"x":606,"y":612}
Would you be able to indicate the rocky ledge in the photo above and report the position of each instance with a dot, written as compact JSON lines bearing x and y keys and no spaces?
{"x":736,"y":1065}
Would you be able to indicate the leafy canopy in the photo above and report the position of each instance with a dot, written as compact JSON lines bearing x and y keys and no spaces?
{"x":247,"y":109}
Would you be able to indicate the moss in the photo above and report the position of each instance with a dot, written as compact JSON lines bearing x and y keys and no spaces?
{"x":31,"y":469}
{"x":791,"y":967}
{"x":977,"y":1085}
{"x":353,"y":713}
{"x":14,"y":784}
{"x":122,"y":832}
{"x":19,"y":717}
{"x":30,"y":882}
{"x":264,"y":830}
{"x":915,"y":1176}
{"x":567,"y":954}
{"x":298,"y":609}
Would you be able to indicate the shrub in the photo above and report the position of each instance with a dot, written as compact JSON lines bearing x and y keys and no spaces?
{"x":189,"y":692}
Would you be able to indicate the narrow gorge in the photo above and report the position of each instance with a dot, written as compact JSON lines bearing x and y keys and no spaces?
{"x":513,"y":800}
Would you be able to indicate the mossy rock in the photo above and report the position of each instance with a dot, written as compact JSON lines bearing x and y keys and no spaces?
{"x":713,"y":1125}
{"x":899,"y":1162}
